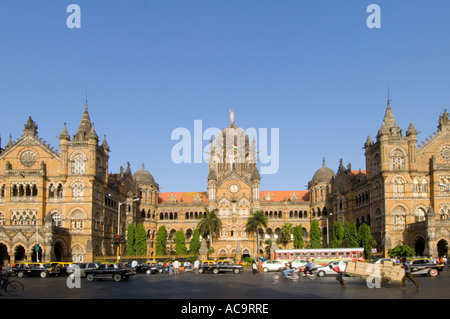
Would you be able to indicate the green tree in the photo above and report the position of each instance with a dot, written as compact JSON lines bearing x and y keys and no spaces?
{"x":286,"y":232}
{"x":256,"y":221}
{"x":180,"y":243}
{"x":337,"y":235}
{"x":298,"y":236}
{"x":210,"y":225}
{"x":161,"y":241}
{"x":350,"y":239}
{"x":315,"y":240}
{"x":194,"y":246}
{"x":140,"y":240}
{"x":365,"y":240}
{"x":131,"y":251}
{"x":401,"y":251}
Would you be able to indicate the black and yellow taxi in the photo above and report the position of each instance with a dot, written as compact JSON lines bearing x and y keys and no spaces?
{"x":24,"y":269}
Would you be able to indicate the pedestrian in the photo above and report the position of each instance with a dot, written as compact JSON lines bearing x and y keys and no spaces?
{"x":176,"y":267}
{"x":339,"y":269}
{"x":260,"y":266}
{"x":408,"y":274}
{"x":196,"y":266}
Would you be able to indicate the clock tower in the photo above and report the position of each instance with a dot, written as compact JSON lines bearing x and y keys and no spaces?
{"x":233,"y":181}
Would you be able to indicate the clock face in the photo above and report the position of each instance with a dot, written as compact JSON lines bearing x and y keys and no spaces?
{"x":234,"y":188}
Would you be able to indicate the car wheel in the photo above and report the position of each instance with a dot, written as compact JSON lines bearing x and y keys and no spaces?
{"x":43,"y":274}
{"x":20,"y":274}
{"x":433,"y":272}
{"x":216,"y":271}
{"x":321,"y":273}
{"x":266,"y":269}
{"x":117,"y":277}
{"x":148,"y":272}
{"x":200,"y":270}
{"x":90,"y":277}
{"x":236,"y":271}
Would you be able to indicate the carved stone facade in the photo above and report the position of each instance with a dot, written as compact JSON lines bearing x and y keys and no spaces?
{"x":68,"y":204}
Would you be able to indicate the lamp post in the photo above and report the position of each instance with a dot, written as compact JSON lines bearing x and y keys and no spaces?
{"x":328,"y":231}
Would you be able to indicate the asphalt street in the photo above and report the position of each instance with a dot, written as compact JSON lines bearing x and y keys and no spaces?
{"x":229,"y":286}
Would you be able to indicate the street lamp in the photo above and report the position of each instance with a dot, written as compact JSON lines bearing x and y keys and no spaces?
{"x":328,"y":231}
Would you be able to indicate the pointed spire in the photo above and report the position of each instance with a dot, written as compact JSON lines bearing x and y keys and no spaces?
{"x":105,"y":145}
{"x":64,"y":135}
{"x":30,"y":128}
{"x":92,"y":133}
{"x":411,"y":130}
{"x":389,"y":119}
{"x":85,"y":126}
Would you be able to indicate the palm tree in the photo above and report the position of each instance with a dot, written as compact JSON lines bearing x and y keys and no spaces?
{"x":210,"y":224}
{"x":286,"y":232}
{"x":256,"y":221}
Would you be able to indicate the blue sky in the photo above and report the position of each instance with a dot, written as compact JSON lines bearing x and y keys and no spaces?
{"x":313,"y":69}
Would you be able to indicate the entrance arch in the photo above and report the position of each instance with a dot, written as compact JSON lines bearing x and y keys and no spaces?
{"x":59,"y":251}
{"x":4,"y":257}
{"x":442,"y":248}
{"x":19,"y":253}
{"x":419,"y":246}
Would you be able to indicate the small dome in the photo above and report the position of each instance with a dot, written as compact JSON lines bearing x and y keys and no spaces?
{"x":323,"y":175}
{"x":142,"y":176}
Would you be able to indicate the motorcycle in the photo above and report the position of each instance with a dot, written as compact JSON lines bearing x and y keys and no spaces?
{"x":293,"y":275}
{"x":310,"y":273}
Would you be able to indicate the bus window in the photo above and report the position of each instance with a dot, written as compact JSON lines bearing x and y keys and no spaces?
{"x":341,"y":254}
{"x":297,"y":255}
{"x":333,"y":255}
{"x":326,"y":255}
{"x":312,"y":254}
{"x":291,"y":255}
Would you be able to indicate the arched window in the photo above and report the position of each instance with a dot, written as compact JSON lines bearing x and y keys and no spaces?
{"x":78,"y":164}
{"x":56,"y":220}
{"x":398,"y":185}
{"x":77,"y":220}
{"x":398,"y":159}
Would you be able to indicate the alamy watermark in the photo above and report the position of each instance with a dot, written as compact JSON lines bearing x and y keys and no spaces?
{"x":230,"y":146}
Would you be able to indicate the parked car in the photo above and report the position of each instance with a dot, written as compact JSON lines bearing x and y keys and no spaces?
{"x":424,"y":266}
{"x":35,"y":269}
{"x":272,"y":265}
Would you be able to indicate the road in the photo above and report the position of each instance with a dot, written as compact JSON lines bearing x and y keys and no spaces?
{"x":174,"y":292}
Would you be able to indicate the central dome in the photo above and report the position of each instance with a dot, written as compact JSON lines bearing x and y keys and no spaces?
{"x":323,"y":175}
{"x":143,"y":177}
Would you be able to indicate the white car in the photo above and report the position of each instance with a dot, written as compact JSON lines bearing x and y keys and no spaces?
{"x":272,"y":265}
{"x":326,"y":270}
{"x":299,"y":263}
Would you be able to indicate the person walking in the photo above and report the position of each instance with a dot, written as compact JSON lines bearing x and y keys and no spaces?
{"x":176,"y":267}
{"x":408,"y":274}
{"x":260,"y":266}
{"x":339,"y":269}
{"x":197,"y":266}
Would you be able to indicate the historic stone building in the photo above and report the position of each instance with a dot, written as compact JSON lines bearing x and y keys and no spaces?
{"x":67,"y":204}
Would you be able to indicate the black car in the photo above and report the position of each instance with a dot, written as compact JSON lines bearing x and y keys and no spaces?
{"x":424,"y":266}
{"x":35,"y":269}
{"x":117,"y":272}
{"x":223,"y":266}
{"x":143,"y":268}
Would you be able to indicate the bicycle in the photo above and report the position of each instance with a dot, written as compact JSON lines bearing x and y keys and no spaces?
{"x":12,"y":287}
